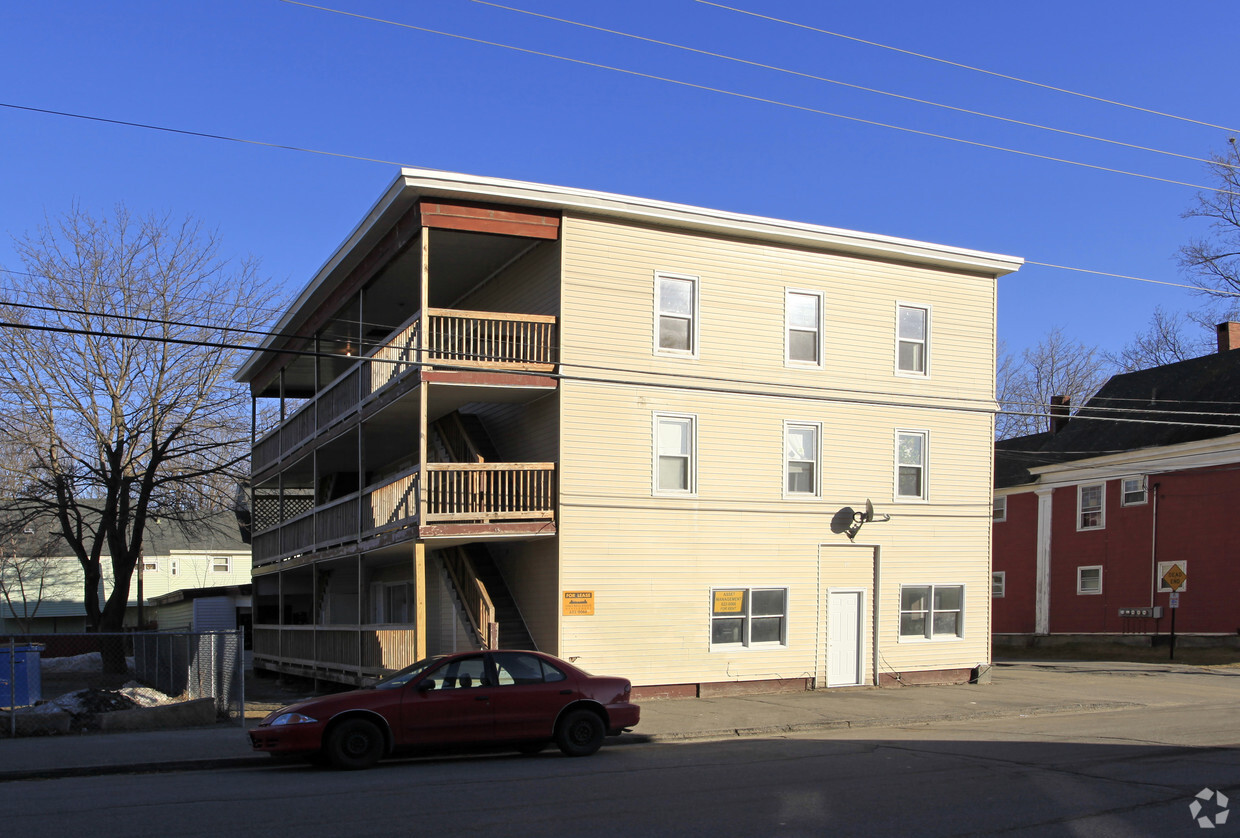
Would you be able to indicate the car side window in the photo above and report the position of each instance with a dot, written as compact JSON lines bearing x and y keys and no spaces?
{"x":516,"y":668}
{"x":460,"y":674}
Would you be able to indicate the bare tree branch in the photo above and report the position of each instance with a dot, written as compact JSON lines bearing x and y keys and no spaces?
{"x":120,"y":419}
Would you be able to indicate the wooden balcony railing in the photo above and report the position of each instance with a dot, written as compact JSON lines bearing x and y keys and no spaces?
{"x":480,"y":339}
{"x":483,"y":492}
{"x":362,"y":650}
{"x":490,"y":339}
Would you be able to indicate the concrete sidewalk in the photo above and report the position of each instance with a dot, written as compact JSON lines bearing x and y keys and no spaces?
{"x":1016,"y":689}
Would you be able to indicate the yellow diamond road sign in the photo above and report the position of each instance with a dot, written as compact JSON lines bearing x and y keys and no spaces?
{"x":1174,"y":577}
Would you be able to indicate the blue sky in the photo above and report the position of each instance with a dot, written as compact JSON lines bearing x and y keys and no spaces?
{"x":274,"y":72}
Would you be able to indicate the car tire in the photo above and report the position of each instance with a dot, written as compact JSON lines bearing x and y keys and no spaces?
{"x":531,"y":748}
{"x":354,"y":744}
{"x":580,"y":733}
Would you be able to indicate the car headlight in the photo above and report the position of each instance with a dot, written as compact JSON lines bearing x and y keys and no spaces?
{"x":292,"y":719}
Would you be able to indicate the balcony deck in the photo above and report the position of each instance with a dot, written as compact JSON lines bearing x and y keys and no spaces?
{"x":511,"y":348}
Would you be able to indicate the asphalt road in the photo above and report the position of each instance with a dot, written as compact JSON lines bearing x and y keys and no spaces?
{"x":1123,"y":773}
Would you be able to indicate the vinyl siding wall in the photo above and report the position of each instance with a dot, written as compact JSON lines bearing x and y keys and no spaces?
{"x":652,"y":561}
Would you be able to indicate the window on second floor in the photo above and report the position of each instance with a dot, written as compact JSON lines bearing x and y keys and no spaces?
{"x":1090,"y":513}
{"x":219,"y":564}
{"x":998,"y":584}
{"x":675,"y":466}
{"x":803,"y":313}
{"x":1133,"y":491}
{"x":676,"y":313}
{"x":801,"y":458}
{"x":913,"y":341}
{"x":911,"y":465}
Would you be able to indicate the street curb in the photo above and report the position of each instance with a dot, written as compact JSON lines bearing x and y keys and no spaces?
{"x":262,"y":759}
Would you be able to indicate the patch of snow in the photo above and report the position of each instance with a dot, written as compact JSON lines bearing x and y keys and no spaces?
{"x":89,"y":662}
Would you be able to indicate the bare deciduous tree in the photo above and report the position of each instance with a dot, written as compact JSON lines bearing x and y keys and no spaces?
{"x":116,"y":387}
{"x":1212,"y":262}
{"x":1170,"y":337}
{"x":1057,"y":366}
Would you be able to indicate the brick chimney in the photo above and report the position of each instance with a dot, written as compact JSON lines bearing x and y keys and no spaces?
{"x":1228,"y":336}
{"x":1059,"y":413}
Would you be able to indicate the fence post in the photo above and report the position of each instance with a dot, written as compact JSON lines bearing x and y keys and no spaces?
{"x":12,"y":688}
{"x":239,"y":668}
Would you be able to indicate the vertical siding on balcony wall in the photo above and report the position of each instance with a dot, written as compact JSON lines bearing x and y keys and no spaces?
{"x":530,"y":285}
{"x":652,"y":561}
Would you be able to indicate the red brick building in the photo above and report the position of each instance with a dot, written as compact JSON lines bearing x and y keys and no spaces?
{"x":1089,"y":517}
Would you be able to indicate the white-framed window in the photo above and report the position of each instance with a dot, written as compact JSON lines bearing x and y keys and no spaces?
{"x":676,"y":314}
{"x":803,"y":327}
{"x":219,"y":564}
{"x":802,"y":459}
{"x":675,"y":460}
{"x":173,"y":566}
{"x":1089,"y":579}
{"x":1133,"y":491}
{"x":741,"y":617}
{"x":912,"y":339}
{"x":149,"y":565}
{"x":911,"y":465}
{"x":931,"y":612}
{"x":998,"y":584}
{"x":1163,"y":567}
{"x":998,"y":512}
{"x":1091,"y":514}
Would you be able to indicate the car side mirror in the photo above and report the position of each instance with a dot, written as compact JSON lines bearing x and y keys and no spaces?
{"x":425,"y":685}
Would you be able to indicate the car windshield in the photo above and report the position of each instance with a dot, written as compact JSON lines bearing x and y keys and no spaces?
{"x":409,"y":673}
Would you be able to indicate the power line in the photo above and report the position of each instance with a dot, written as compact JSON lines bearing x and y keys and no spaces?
{"x":761,"y":99}
{"x":200,"y":134}
{"x":1134,"y":278}
{"x":969,"y":67}
{"x":813,"y":77}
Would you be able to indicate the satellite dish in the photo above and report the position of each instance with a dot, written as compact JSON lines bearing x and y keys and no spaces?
{"x":843,"y":521}
{"x":848,"y":521}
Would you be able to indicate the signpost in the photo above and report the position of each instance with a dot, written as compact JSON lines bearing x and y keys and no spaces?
{"x":1174,"y":579}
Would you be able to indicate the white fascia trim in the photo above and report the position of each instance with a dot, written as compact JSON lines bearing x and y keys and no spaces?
{"x":411,"y":184}
{"x":684,"y":215}
{"x":1218,"y":451}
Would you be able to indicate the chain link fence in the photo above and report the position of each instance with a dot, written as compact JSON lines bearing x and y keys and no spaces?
{"x":181,"y":665}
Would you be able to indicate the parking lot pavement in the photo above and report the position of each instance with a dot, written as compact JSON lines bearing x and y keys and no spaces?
{"x":1023,"y":688}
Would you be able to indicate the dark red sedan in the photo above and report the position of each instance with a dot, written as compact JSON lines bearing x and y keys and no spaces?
{"x":523,"y":699}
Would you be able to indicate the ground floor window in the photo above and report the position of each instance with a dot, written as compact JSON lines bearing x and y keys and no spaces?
{"x":933,"y":612}
{"x":1164,"y":567}
{"x":749,"y":616}
{"x":391,"y":602}
{"x":1089,"y":579}
{"x":998,"y":583}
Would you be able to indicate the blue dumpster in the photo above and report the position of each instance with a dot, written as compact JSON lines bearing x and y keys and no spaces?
{"x":21,"y":675}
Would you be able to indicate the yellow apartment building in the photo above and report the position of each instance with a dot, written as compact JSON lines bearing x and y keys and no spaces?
{"x":637,"y":435}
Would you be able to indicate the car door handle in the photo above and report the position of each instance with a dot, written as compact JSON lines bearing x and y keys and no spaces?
{"x":482,"y":698}
{"x":566,"y":692}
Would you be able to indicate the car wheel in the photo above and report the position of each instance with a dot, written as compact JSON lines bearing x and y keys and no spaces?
{"x":530,"y":748}
{"x":354,"y":744}
{"x":580,"y":733}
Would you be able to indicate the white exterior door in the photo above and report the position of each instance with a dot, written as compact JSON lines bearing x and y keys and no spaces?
{"x":844,"y":638}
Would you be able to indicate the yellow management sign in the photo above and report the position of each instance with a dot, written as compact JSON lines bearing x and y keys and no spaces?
{"x":729,"y":602}
{"x":579,"y":603}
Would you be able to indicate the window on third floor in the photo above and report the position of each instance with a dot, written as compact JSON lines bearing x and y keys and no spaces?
{"x":676,"y":314}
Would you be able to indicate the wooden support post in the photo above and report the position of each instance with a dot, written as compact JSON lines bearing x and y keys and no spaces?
{"x":419,"y":600}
